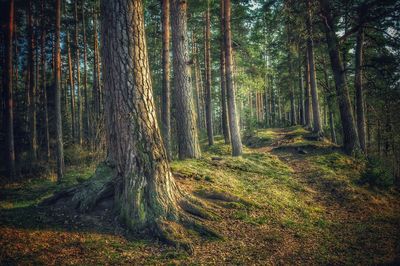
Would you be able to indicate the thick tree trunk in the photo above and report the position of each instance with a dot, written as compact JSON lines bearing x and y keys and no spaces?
{"x":78,"y":78}
{"x":57,"y":81}
{"x":72,"y":90}
{"x":188,"y":143}
{"x":224,"y":106}
{"x":209,"y":109}
{"x":317,"y":127}
{"x":350,"y":137}
{"x":166,"y":84}
{"x":358,"y":83}
{"x":44,"y":88}
{"x":9,"y":109}
{"x":32,"y":88}
{"x":236,"y":141}
{"x":146,"y":196}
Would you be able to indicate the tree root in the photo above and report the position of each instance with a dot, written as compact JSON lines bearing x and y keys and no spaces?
{"x":174,"y":231}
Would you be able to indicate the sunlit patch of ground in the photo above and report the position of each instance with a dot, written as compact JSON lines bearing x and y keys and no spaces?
{"x":289,"y":199}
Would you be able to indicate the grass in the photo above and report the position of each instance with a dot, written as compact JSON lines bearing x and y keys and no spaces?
{"x":271,"y":206}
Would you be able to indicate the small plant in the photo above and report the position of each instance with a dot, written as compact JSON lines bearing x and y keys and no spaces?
{"x":377,"y":173}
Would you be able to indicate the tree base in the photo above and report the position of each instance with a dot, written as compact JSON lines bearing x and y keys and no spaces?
{"x":87,"y":197}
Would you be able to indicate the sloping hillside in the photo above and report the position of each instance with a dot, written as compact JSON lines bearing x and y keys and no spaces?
{"x":289,"y":200}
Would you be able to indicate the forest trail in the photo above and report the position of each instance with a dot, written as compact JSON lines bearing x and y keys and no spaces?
{"x":288,"y":200}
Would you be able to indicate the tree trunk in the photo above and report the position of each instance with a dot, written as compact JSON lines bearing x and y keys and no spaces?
{"x":307,"y":102}
{"x":196,"y":83}
{"x":57,"y":79}
{"x":166,"y":99}
{"x":236,"y":141}
{"x":32,"y":89}
{"x":44,"y":89}
{"x":209,"y":109}
{"x":72,"y":89}
{"x":317,"y":127}
{"x":293,"y":121}
{"x":9,"y":114}
{"x":358,"y":84}
{"x":96,"y":84}
{"x":78,"y":78}
{"x":147,"y":192}
{"x":301,"y":86}
{"x":188,"y":143}
{"x":224,"y":113}
{"x":87,"y":109}
{"x":350,"y":137}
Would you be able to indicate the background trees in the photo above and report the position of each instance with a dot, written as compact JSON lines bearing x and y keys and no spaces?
{"x":321,"y":64}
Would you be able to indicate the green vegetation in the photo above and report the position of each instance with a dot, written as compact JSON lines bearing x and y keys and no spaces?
{"x":282,"y":199}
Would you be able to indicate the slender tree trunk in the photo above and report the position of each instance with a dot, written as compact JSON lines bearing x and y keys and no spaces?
{"x":96,"y":91}
{"x":291,"y":85}
{"x":317,"y":127}
{"x":301,"y":86}
{"x":44,"y":88}
{"x":236,"y":141}
{"x":166,"y":84}
{"x":307,"y":102}
{"x":147,"y":194}
{"x":209,"y":109}
{"x":87,"y":109}
{"x":358,"y":83}
{"x":57,"y":79}
{"x":196,"y":82}
{"x":188,"y":143}
{"x":32,"y":89}
{"x":350,"y":137}
{"x":78,"y":78}
{"x":224,"y":106}
{"x":332,"y":121}
{"x":97,"y":65}
{"x":9,"y":114}
{"x":72,"y":89}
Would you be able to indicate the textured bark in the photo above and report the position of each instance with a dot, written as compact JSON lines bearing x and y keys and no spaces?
{"x":188,"y":143}
{"x":32,"y":88}
{"x":96,"y":72}
{"x":224,"y":106}
{"x":293,"y":120}
{"x":79,"y":123}
{"x":350,"y":137}
{"x":85,"y":87}
{"x":9,"y":112}
{"x":307,"y":102}
{"x":72,"y":89}
{"x":166,"y":84}
{"x":57,"y":102}
{"x":146,"y":194}
{"x":358,"y":84}
{"x":236,"y":141}
{"x":209,"y":108}
{"x":301,"y":86}
{"x":317,"y":127}
{"x":44,"y":88}
{"x":197,"y":88}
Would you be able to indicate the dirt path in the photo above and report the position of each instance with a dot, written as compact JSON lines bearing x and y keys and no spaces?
{"x":362,"y":221}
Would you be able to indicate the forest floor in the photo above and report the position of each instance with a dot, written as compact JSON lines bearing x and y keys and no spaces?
{"x":287,"y":200}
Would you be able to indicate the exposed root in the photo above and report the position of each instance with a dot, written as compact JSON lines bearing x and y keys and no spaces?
{"x":197,"y":208}
{"x":86,"y":195}
{"x":173,"y":233}
{"x":175,"y":230}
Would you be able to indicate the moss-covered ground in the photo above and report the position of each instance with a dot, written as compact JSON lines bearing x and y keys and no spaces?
{"x":288,"y":200}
